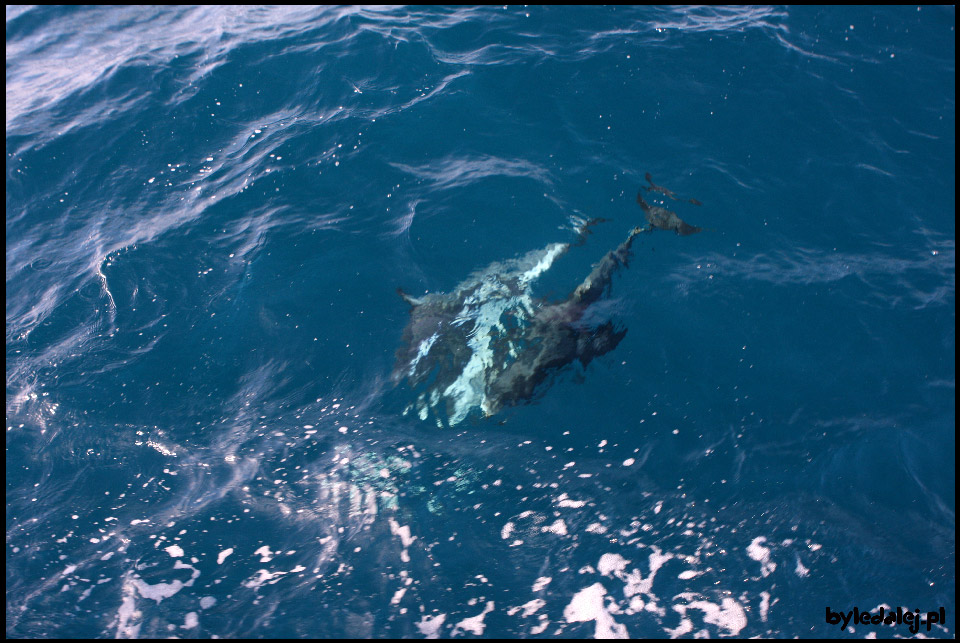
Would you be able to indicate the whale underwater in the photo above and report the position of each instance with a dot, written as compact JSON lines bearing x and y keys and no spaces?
{"x":489,"y":343}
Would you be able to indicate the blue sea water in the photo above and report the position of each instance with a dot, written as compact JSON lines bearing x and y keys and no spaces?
{"x":209,"y":211}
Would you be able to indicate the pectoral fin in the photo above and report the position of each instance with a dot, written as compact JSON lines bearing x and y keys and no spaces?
{"x":413,"y":301}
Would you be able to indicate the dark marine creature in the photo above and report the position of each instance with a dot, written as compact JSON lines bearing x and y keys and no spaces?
{"x":490,"y":343}
{"x":653,"y":187}
{"x":664,"y":219}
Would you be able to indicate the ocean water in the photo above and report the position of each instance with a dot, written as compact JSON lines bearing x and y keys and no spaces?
{"x":209,"y":213}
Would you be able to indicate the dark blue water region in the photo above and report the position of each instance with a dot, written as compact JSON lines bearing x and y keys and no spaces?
{"x":223,"y":420}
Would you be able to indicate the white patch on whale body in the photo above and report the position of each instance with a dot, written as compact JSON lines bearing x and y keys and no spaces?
{"x":422,"y":351}
{"x":485,"y":308}
{"x":499,"y":293}
{"x":551,"y":253}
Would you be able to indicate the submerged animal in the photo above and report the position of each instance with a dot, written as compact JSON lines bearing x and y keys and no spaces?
{"x":489,"y":343}
{"x":663,"y":219}
{"x":653,"y":187}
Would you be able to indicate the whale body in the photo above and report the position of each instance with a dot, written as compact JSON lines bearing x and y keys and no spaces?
{"x":489,"y":343}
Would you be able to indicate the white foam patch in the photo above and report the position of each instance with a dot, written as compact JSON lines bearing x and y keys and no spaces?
{"x":402,"y":531}
{"x":764,"y":606}
{"x":474,"y":624}
{"x":801,"y":570}
{"x":530,"y":607}
{"x":564,"y":501}
{"x":636,"y":584}
{"x":429,"y":626}
{"x":160,"y":591}
{"x":222,"y":556}
{"x":685,"y":627}
{"x":265,"y":554}
{"x":190,"y":621}
{"x":587,"y":605}
{"x":612,"y":564}
{"x":128,"y":616}
{"x":261,"y":577}
{"x":761,"y":554}
{"x":558,"y":527}
{"x":729,"y":614}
